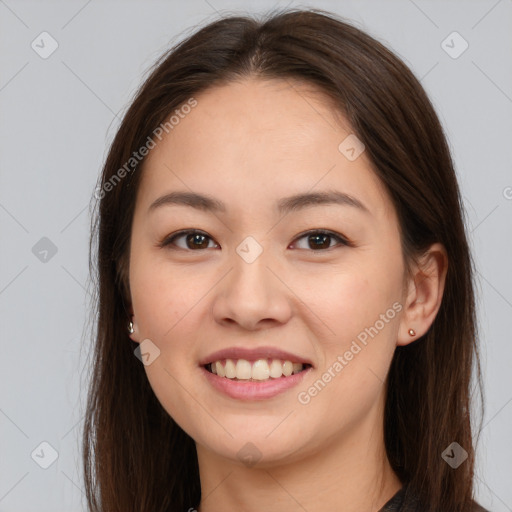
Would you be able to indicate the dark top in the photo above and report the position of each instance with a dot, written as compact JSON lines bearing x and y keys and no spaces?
{"x":400,"y":503}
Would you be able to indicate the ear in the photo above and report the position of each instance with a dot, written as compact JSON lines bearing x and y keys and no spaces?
{"x":424,"y":294}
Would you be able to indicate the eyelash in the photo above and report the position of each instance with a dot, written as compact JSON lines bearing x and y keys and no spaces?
{"x":168,"y":242}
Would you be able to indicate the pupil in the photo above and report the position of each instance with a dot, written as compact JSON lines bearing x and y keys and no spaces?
{"x":317,"y":237}
{"x":195,"y":237}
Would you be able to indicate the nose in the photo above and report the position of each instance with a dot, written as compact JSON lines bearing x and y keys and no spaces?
{"x":252,"y":295}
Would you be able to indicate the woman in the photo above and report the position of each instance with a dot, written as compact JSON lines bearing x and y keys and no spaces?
{"x":281,"y":237}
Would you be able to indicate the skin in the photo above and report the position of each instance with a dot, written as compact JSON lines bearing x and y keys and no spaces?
{"x":249,"y":144}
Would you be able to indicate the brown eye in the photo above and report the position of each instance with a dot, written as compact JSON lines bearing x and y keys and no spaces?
{"x":194,"y":240}
{"x":321,"y":240}
{"x":317,"y":240}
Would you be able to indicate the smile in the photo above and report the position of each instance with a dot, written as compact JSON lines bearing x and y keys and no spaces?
{"x":257,"y":380}
{"x":259,"y":370}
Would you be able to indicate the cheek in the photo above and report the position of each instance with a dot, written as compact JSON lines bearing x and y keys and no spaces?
{"x":360,"y":306}
{"x":361,"y":310}
{"x":351,"y":298}
{"x":161,"y":296}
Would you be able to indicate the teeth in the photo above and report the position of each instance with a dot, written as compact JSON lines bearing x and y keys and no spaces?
{"x":230,"y":369}
{"x":220,"y":369}
{"x":262,"y":369}
{"x":276,"y":369}
{"x":243,"y":369}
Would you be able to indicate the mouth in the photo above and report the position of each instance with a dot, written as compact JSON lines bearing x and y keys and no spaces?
{"x":254,"y":380}
{"x":260,"y":370}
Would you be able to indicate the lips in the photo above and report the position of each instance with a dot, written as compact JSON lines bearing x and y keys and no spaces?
{"x":248,"y":390}
{"x":254,"y":354}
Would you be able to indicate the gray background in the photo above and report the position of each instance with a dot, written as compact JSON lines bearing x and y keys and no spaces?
{"x":58,"y":116}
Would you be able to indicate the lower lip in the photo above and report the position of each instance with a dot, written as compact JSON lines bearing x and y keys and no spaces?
{"x":253,"y":390}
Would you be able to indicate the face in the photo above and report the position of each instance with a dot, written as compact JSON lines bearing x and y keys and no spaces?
{"x":320,"y":280}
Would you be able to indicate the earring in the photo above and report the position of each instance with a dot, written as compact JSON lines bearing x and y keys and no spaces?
{"x":130,"y":327}
{"x":412,"y":332}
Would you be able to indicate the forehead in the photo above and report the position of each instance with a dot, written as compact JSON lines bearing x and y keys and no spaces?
{"x":262,"y":139}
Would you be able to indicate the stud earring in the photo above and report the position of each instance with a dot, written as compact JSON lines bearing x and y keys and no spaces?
{"x":412,"y":332}
{"x":130,"y":327}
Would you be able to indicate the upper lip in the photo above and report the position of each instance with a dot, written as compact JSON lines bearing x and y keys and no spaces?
{"x":252,"y":354}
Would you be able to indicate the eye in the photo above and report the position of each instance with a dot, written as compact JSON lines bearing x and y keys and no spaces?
{"x":197,"y":240}
{"x":194,"y":240}
{"x":321,"y":239}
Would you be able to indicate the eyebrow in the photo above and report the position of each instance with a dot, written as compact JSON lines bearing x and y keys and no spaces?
{"x":285,"y":205}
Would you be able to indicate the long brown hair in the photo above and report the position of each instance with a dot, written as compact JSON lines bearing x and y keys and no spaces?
{"x":136,"y":458}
